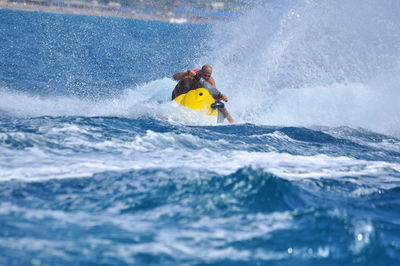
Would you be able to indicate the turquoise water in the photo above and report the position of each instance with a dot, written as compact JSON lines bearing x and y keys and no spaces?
{"x":98,"y":167}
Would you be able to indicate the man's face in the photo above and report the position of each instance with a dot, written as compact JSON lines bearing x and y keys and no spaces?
{"x":206,"y":73}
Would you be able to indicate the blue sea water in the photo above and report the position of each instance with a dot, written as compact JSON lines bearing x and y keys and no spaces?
{"x":98,"y":167}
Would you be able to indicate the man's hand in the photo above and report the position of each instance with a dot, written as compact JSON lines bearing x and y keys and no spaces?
{"x":224,"y":97}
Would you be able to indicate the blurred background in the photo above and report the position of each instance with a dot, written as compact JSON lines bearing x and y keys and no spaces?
{"x":178,"y":11}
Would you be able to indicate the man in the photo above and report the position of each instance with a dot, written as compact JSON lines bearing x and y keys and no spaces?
{"x":200,"y":78}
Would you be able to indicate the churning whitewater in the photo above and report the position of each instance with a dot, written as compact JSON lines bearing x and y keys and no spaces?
{"x":99,"y":167}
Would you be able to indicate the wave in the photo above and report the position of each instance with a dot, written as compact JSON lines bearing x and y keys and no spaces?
{"x":205,"y":219}
{"x":102,"y":144}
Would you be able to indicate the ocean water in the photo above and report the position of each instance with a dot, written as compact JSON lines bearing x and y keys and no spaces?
{"x":98,"y":167}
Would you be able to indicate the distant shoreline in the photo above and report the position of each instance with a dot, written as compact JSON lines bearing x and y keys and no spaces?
{"x":165,"y":17}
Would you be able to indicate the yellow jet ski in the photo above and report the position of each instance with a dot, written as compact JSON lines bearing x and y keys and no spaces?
{"x":201,"y":100}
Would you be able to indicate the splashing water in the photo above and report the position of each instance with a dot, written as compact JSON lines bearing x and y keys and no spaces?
{"x":313,"y":62}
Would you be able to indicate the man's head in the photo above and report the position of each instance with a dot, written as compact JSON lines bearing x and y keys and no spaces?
{"x":206,"y":72}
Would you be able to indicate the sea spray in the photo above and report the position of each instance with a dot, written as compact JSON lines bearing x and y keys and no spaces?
{"x":312,"y":62}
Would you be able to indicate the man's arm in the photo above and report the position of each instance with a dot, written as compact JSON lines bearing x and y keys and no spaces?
{"x":179,"y":75}
{"x":212,"y":90}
